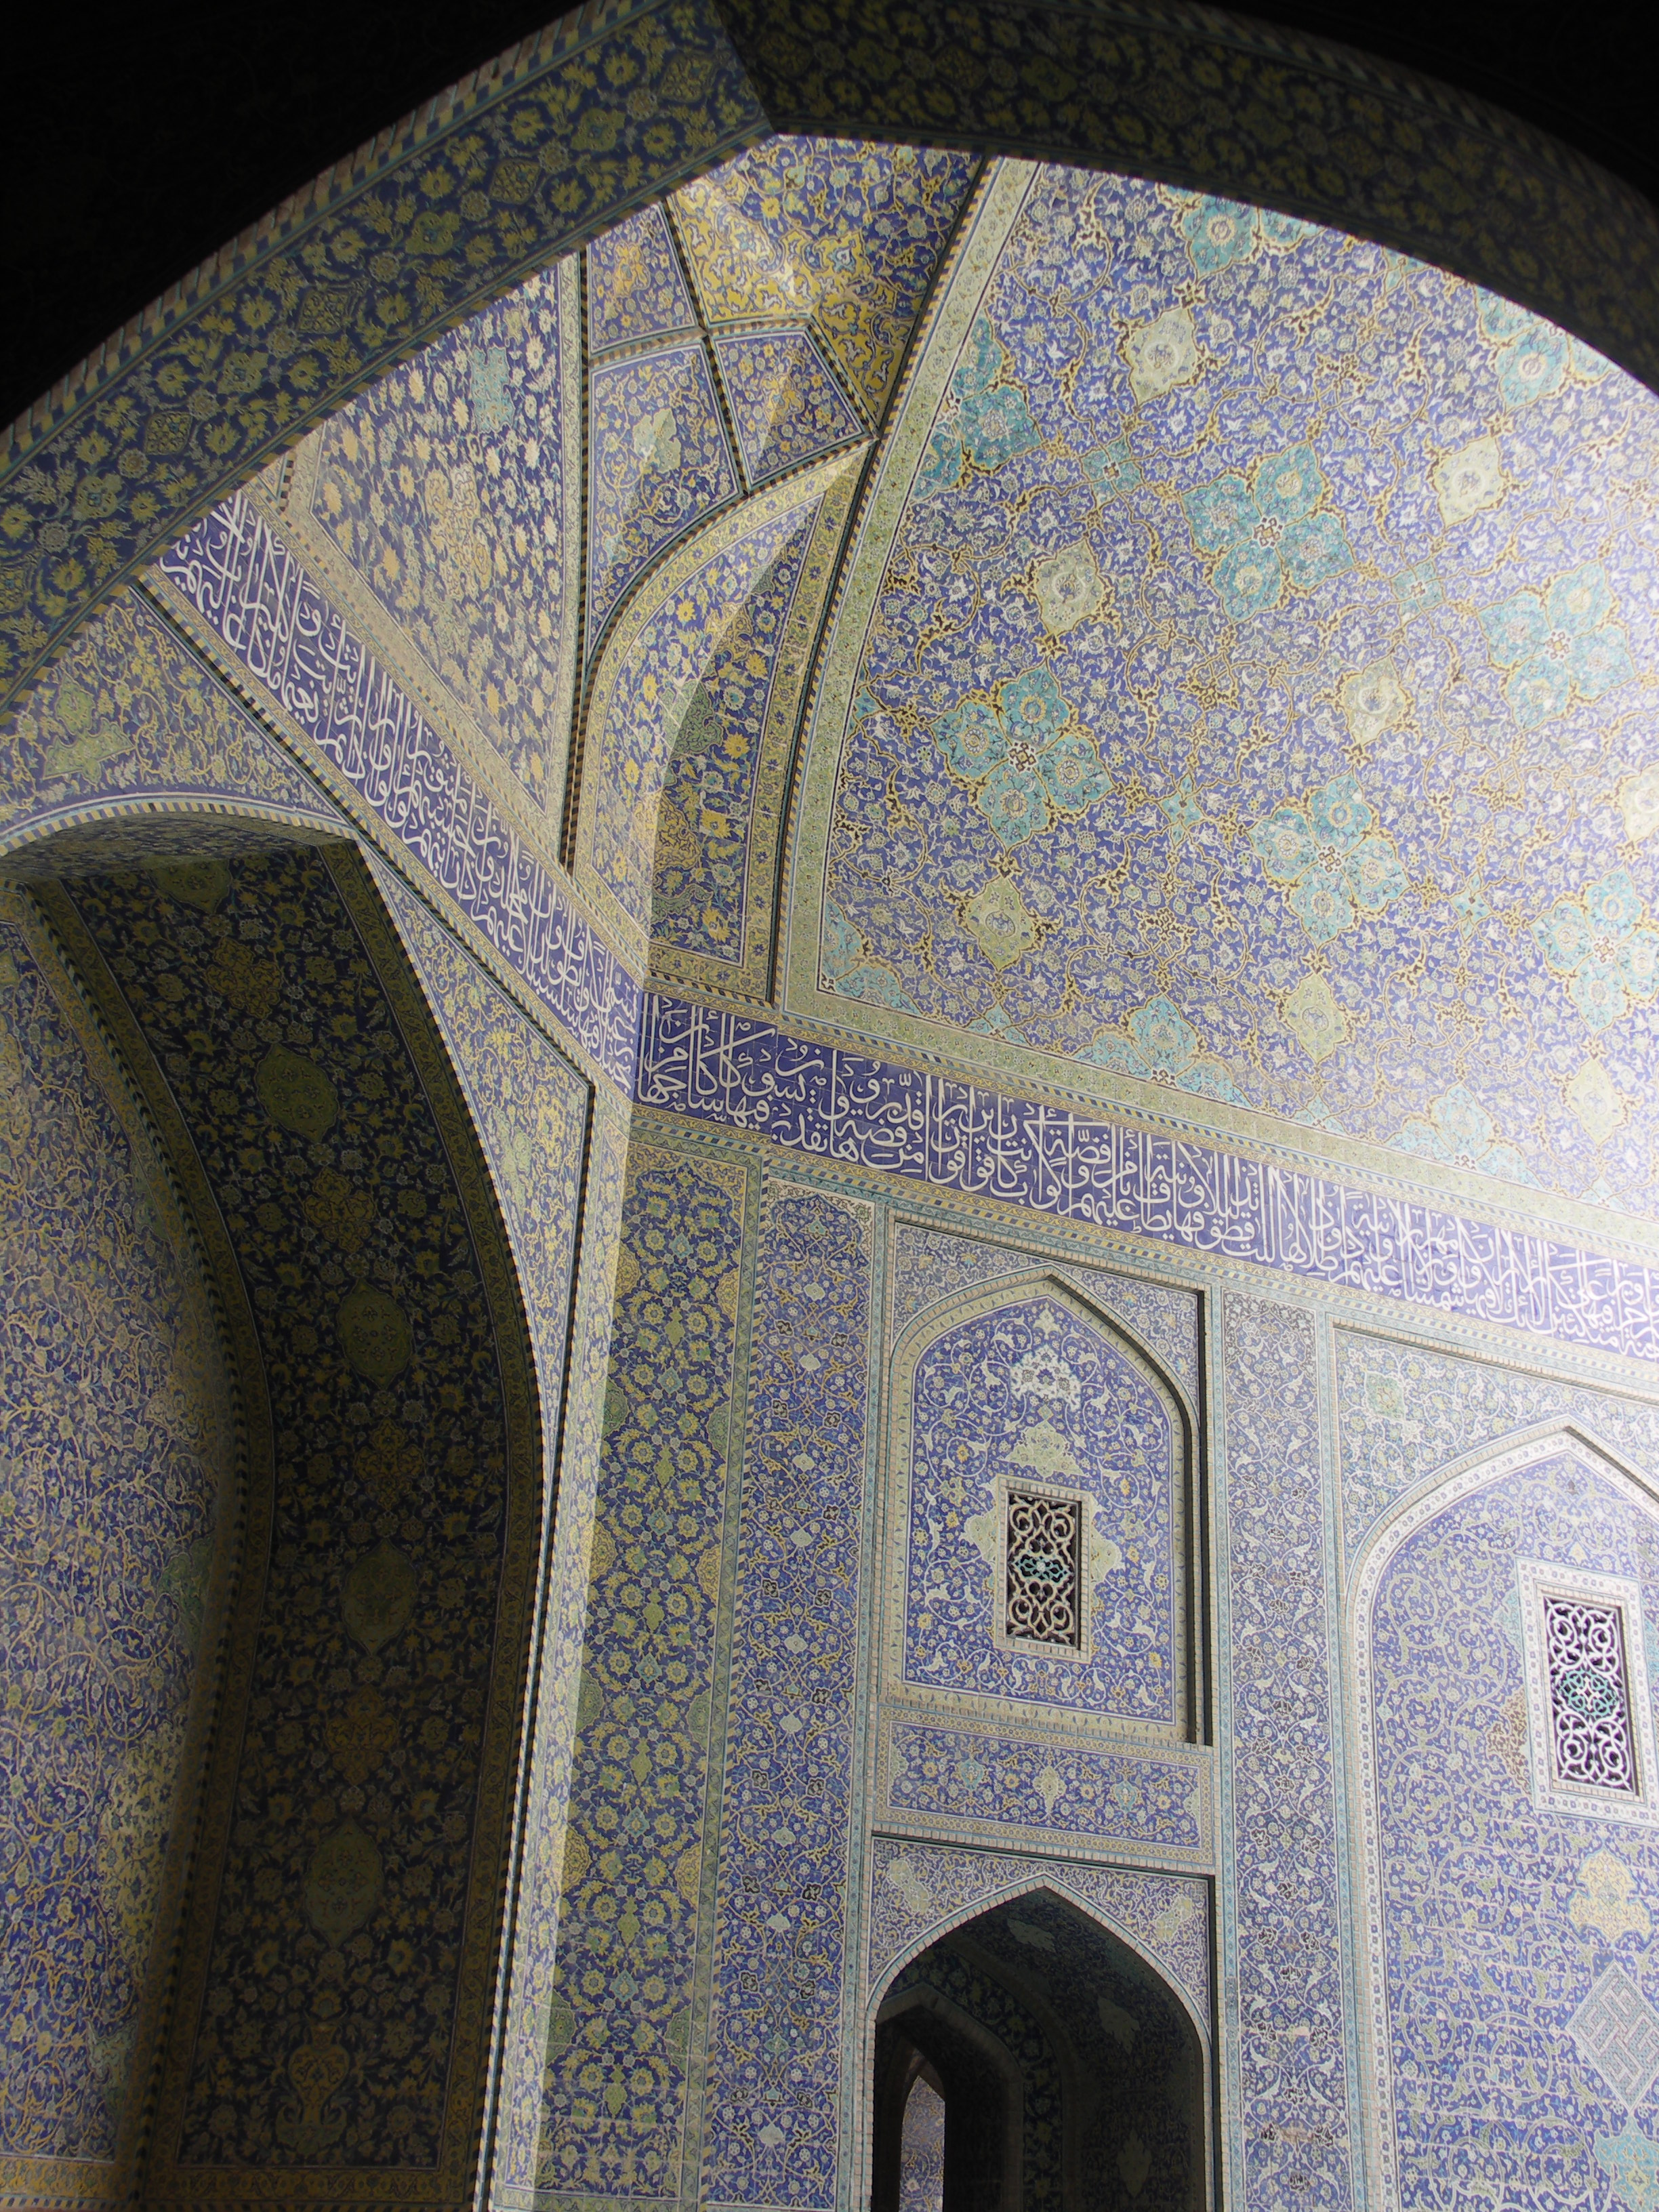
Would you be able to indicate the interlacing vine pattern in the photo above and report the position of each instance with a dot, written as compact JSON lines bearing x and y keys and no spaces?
{"x":1589,"y":1708}
{"x":1044,"y":1542}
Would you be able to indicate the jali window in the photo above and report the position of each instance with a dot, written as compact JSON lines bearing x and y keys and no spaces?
{"x":1044,"y":1576}
{"x":1589,"y":1709}
{"x":1590,"y":1739}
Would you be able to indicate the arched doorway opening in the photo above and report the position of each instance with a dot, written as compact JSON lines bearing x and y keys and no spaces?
{"x":1069,"y":2073}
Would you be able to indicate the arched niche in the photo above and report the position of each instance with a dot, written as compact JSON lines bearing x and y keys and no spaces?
{"x":322,"y":2021}
{"x":1022,"y":1388}
{"x":1508,"y":1865}
{"x":1086,"y":2068}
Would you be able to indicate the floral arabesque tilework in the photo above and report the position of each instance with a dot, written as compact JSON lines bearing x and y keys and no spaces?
{"x":1335,"y":650}
{"x":1485,"y":1959}
{"x":786,"y":406}
{"x":620,"y":2015}
{"x":1277,"y":1705}
{"x":658,"y":461}
{"x":115,"y":1500}
{"x":635,"y":287}
{"x":445,"y":504}
{"x":846,"y":233}
{"x":1030,"y":1383}
{"x":340,"y":1960}
{"x":776,"y":2044}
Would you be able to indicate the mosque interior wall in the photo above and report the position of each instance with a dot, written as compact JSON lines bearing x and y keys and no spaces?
{"x":677,"y":1465}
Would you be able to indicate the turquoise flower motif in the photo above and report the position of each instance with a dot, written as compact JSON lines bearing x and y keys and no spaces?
{"x":1072,"y":776}
{"x":1559,"y":645}
{"x":997,"y":427}
{"x":1185,"y":811}
{"x":1533,"y":358}
{"x":983,"y":361}
{"x":1160,"y":1045}
{"x":1603,"y":942}
{"x":1458,"y":1132}
{"x":1014,"y":804}
{"x":1112,"y":468}
{"x":1030,"y":759}
{"x":993,"y":423}
{"x":1219,"y":233}
{"x":1419,"y":588}
{"x":1325,"y":854}
{"x":849,"y":972}
{"x":1271,"y":531}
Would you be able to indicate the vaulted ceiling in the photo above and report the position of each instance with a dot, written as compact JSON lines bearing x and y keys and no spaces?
{"x":1103,"y":637}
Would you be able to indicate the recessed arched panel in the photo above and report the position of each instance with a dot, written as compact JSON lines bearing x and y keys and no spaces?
{"x":1037,"y":1513}
{"x":335,"y":1988}
{"x":1502,"y":1622}
{"x":1036,"y":2005}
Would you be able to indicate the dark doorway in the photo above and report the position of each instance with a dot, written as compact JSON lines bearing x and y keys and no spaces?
{"x":1069,"y":2074}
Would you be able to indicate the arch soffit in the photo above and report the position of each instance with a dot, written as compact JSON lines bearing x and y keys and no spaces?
{"x":543,"y":162}
{"x":394,"y":977}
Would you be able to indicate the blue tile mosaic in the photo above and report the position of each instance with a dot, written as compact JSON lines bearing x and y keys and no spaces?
{"x":334,"y":1982}
{"x":678,"y":726}
{"x":1225,"y":628}
{"x":787,"y":407}
{"x":658,"y":461}
{"x":919,"y":1892}
{"x":635,"y":287}
{"x":1511,"y":2015}
{"x":258,"y":605}
{"x":748,"y":1074}
{"x":1030,"y":1386}
{"x":1286,"y":1936}
{"x":776,"y":2046}
{"x":970,"y":1774}
{"x":119,"y":1506}
{"x":619,"y":2023}
{"x":444,"y":508}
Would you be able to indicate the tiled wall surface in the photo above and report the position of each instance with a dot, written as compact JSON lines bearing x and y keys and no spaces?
{"x":799,"y":1294}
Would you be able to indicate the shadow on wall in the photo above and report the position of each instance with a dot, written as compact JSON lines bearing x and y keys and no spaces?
{"x":268,"y":1527}
{"x":1069,"y":2073}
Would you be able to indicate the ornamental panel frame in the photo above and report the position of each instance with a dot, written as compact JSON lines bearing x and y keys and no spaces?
{"x":1539,"y":1580}
{"x":906,"y":1347}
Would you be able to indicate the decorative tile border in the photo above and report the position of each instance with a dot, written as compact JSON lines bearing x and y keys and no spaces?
{"x":748,"y":1074}
{"x":257,"y":602}
{"x":978,"y":1779}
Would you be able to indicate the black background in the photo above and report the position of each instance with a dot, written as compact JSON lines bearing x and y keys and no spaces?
{"x":133,"y":145}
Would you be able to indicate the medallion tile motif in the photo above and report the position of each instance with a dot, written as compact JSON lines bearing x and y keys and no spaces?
{"x":1275,"y":785}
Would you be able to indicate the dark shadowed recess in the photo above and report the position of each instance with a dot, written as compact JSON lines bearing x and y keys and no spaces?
{"x":137,"y":143}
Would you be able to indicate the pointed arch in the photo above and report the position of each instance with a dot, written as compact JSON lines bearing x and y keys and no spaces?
{"x":1038,"y":1299}
{"x":1513,"y":1820}
{"x":367,"y":1713}
{"x":1034,"y":1882}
